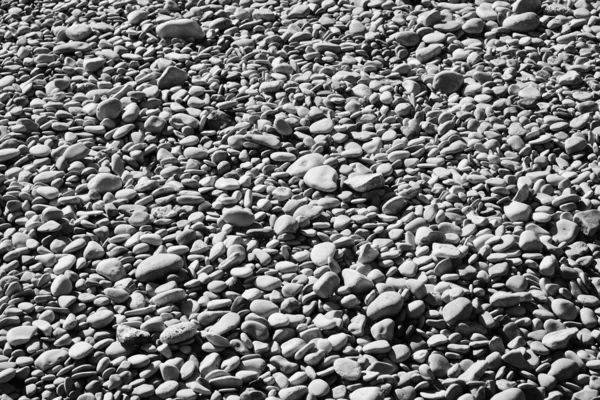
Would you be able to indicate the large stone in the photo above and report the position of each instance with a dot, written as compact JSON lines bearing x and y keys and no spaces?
{"x":171,"y":77}
{"x":105,"y":183}
{"x":238,"y":216}
{"x":588,"y":221}
{"x":365,"y":182}
{"x":112,"y":269}
{"x":367,"y":393}
{"x":303,"y":164}
{"x":518,"y":212}
{"x":323,"y":178}
{"x":458,"y":310}
{"x":80,"y":32}
{"x":356,"y":282}
{"x":563,"y":369}
{"x":522,"y":23}
{"x":50,"y":358}
{"x":20,"y":335}
{"x":157,"y":267}
{"x":180,"y":29}
{"x":179,"y":333}
{"x":510,"y":394}
{"x":448,"y":82}
{"x":523,"y":6}
{"x":387,"y":304}
{"x":347,"y":369}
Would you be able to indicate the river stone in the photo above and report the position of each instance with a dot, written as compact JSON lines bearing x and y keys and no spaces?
{"x":131,"y":336}
{"x":458,"y":310}
{"x":447,"y":82}
{"x":112,"y":269}
{"x":357,"y":283}
{"x":105,"y":183}
{"x":101,"y":318}
{"x":8,"y":154}
{"x":110,"y":108}
{"x":80,"y":32}
{"x":285,"y":224}
{"x":322,"y":127}
{"x":304,"y":163}
{"x":321,"y":253}
{"x":180,"y":29}
{"x":50,"y":358}
{"x":563,"y":369}
{"x":559,"y":339}
{"x":226,"y":324}
{"x":318,"y":387}
{"x":474,"y":372}
{"x":510,"y":394}
{"x":347,"y":369}
{"x":326,"y":285}
{"x":575,"y":144}
{"x":171,"y":77}
{"x":293,"y":393}
{"x":518,"y":212}
{"x":522,"y":23}
{"x":61,"y":285}
{"x":564,"y":309}
{"x":588,"y":221}
{"x":80,"y":350}
{"x":367,"y":393}
{"x":263,"y":308}
{"x":238,"y":216}
{"x":179,"y":333}
{"x":323,"y":178}
{"x":365,"y":182}
{"x":407,"y":38}
{"x":136,"y":17}
{"x":76,"y":152}
{"x":157,"y":267}
{"x":20,"y":335}
{"x":523,"y":6}
{"x":387,"y":304}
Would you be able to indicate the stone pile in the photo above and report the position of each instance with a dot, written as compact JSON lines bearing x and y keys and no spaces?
{"x":289,"y":200}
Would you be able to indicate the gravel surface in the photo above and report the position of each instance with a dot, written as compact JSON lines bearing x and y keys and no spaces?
{"x":275,"y":200}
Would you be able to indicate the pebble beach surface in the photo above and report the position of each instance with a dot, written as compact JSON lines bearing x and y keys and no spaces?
{"x":290,"y":200}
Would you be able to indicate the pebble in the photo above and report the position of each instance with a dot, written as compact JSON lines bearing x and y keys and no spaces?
{"x":172,"y":77}
{"x":588,"y":221}
{"x":304,"y":163}
{"x":80,"y":350}
{"x":178,"y":333}
{"x":365,"y":182}
{"x":522,"y":23}
{"x":510,"y":394}
{"x":322,"y":252}
{"x":385,"y":305}
{"x":347,"y":369}
{"x":20,"y":335}
{"x":564,"y":309}
{"x":517,"y":211}
{"x":111,"y":269}
{"x":157,"y":267}
{"x":49,"y":358}
{"x":238,"y":216}
{"x":458,"y":310}
{"x":180,"y":29}
{"x":447,"y":82}
{"x":323,"y":178}
{"x":367,"y":393}
{"x":105,"y":183}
